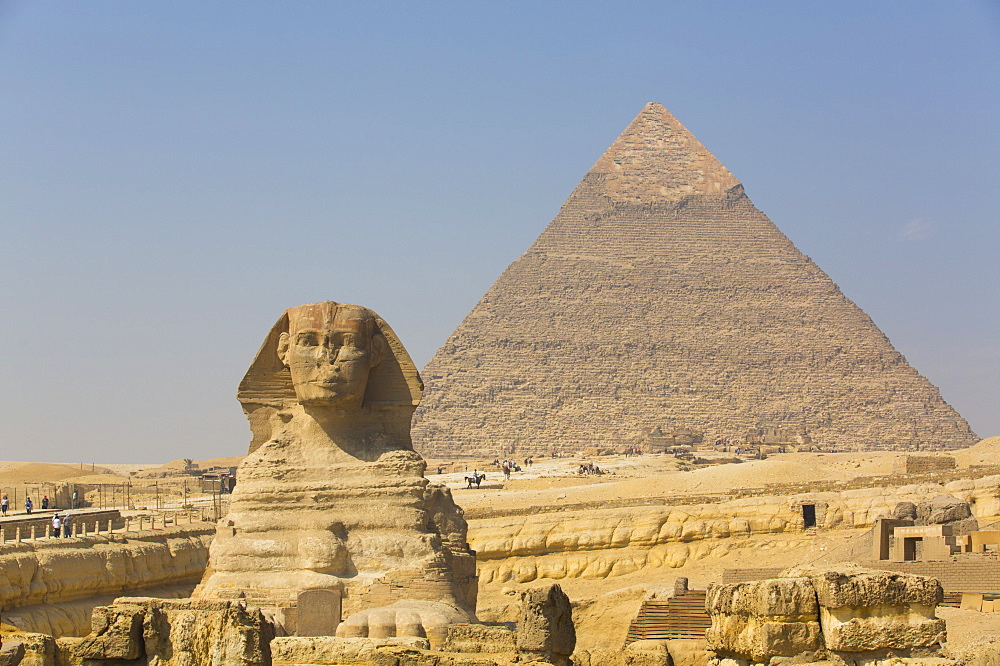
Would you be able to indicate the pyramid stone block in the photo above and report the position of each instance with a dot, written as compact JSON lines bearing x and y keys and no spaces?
{"x":659,"y":296}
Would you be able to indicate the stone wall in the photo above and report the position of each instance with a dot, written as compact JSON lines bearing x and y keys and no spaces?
{"x":923,"y":464}
{"x":974,"y":573}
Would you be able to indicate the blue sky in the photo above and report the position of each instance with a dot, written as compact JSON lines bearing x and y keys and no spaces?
{"x":174,"y":175}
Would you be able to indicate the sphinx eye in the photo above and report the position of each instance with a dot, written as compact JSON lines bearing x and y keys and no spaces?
{"x":308,"y":339}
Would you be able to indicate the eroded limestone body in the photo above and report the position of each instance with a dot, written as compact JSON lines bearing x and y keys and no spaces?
{"x":332,"y":496}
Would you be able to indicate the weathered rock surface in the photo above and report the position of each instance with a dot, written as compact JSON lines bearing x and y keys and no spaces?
{"x":763,"y":619}
{"x":11,"y":653}
{"x":295,"y":650}
{"x":874,"y":610}
{"x":51,"y":586}
{"x":332,"y":496}
{"x":947,"y":510}
{"x":480,"y":638}
{"x":605,"y":542}
{"x":545,"y":629}
{"x":177,"y":633}
{"x":659,"y":295}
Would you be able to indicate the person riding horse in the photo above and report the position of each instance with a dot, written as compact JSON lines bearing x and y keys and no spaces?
{"x":476,"y":478}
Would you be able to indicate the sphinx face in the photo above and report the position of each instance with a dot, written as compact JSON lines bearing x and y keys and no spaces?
{"x":329,"y":361}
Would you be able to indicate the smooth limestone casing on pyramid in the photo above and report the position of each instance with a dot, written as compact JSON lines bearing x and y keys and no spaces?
{"x":660,"y":296}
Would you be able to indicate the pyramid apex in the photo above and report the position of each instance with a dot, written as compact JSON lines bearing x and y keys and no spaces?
{"x":656,"y":158}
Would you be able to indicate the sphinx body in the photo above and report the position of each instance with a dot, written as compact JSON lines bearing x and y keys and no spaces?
{"x":331,"y":495}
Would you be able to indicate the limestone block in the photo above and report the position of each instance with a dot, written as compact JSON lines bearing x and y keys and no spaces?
{"x":647,"y":653}
{"x":317,"y":612}
{"x":179,"y":633}
{"x":864,"y":611}
{"x":39,"y":649}
{"x":545,"y":626}
{"x":331,"y":650}
{"x":117,"y":633}
{"x":688,"y":652}
{"x":599,"y":657}
{"x":479,"y":638}
{"x":972,"y":601}
{"x":762,"y":619}
{"x":11,"y":653}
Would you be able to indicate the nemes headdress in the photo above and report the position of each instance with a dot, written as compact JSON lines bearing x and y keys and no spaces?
{"x":394,"y":385}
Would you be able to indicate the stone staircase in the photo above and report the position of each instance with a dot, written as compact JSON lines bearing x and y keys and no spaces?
{"x":677,"y":617}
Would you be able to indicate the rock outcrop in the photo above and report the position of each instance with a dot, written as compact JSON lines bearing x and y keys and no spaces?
{"x":545,"y":627}
{"x":845,"y":615}
{"x":177,"y":633}
{"x":660,"y":296}
{"x":947,"y":510}
{"x":868,"y":611}
{"x":764,"y":619}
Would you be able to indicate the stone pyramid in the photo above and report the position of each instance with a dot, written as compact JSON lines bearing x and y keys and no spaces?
{"x":659,"y":296}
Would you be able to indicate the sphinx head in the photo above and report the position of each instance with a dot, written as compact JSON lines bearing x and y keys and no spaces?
{"x":330,"y":350}
{"x":331,"y":356}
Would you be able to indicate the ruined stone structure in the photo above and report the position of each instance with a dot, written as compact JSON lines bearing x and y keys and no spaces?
{"x":332,"y":496}
{"x":660,"y":296}
{"x":834,"y":617}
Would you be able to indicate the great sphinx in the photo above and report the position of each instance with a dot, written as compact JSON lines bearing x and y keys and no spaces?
{"x":332,"y":495}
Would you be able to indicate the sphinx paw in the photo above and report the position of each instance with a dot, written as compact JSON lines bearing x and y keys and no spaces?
{"x":424,"y":619}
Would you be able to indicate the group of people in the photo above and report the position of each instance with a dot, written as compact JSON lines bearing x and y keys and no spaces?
{"x":633,"y":451}
{"x":61,"y":526}
{"x":508,"y":466}
{"x":590,"y":468}
{"x":29,"y":505}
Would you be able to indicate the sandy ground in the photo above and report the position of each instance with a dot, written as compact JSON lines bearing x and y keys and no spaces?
{"x":554,"y":481}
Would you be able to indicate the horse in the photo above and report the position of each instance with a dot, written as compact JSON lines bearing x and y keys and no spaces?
{"x":475,"y":478}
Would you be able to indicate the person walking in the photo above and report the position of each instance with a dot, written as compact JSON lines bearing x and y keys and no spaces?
{"x":56,"y":526}
{"x":28,"y":505}
{"x":65,"y":526}
{"x":4,"y":504}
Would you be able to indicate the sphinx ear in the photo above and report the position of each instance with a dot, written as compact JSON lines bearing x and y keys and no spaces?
{"x":379,"y":349}
{"x":283,"y":348}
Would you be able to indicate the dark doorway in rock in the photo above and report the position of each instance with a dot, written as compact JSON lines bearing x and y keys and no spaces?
{"x":808,"y":516}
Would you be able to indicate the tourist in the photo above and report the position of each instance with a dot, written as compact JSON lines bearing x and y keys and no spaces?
{"x":28,"y":505}
{"x":65,"y":525}
{"x":74,"y":500}
{"x":45,"y":502}
{"x":56,"y":526}
{"x":4,"y":503}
